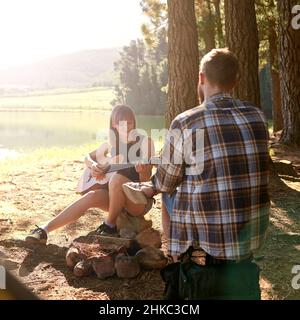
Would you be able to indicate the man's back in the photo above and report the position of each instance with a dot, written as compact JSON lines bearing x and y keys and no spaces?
{"x":225,"y":209}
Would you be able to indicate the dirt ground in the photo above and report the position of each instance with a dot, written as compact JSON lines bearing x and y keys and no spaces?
{"x":29,"y":198}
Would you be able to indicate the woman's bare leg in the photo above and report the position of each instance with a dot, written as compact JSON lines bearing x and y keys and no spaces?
{"x":118,"y":200}
{"x":93,"y":199}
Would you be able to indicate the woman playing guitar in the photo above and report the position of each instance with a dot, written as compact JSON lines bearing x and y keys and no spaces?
{"x":108,"y":194}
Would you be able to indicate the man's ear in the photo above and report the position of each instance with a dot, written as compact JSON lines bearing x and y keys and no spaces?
{"x":237,"y":80}
{"x":201,"y":78}
{"x":234,"y":84}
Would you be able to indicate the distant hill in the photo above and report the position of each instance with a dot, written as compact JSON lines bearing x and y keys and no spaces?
{"x":79,"y":69}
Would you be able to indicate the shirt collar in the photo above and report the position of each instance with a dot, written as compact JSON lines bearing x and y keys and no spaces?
{"x":218,"y":96}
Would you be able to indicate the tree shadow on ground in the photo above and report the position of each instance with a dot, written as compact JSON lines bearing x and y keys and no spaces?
{"x":281,"y":250}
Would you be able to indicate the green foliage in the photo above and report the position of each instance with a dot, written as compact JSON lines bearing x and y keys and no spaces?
{"x":210,"y":22}
{"x":143,"y":75}
{"x":267,"y":22}
{"x":156,"y":12}
{"x":143,"y":67}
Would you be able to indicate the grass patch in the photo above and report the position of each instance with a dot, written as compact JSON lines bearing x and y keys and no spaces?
{"x":29,"y":161}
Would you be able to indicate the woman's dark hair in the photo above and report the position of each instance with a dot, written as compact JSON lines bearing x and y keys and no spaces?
{"x":119,"y":113}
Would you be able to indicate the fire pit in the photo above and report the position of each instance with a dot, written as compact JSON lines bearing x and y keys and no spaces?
{"x":136,"y":249}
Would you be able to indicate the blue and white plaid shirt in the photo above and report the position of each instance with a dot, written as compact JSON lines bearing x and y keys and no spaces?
{"x":225,"y":209}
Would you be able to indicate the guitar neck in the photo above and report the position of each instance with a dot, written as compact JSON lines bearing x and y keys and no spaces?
{"x":116,"y":167}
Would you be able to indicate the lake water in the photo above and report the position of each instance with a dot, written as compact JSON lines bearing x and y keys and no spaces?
{"x":27,"y":130}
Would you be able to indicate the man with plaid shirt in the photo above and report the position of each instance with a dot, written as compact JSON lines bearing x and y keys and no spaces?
{"x":224,"y":209}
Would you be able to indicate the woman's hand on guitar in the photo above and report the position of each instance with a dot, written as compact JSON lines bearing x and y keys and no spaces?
{"x":98,"y":171}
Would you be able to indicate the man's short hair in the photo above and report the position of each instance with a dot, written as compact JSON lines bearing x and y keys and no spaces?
{"x":221,"y":67}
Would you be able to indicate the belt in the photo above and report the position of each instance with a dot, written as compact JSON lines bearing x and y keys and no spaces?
{"x":209,"y":260}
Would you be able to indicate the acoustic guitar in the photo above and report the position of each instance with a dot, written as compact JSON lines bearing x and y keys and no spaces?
{"x":111,"y":164}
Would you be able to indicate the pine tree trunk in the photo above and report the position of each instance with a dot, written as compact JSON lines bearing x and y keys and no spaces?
{"x":183,"y":58}
{"x":242,"y":39}
{"x":209,"y":28}
{"x":289,"y":64}
{"x":219,"y":24}
{"x":276,"y":98}
{"x":273,"y":57}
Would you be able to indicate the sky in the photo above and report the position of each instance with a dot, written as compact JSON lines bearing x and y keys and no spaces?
{"x":32,"y":30}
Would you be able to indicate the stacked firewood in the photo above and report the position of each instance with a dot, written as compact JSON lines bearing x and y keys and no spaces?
{"x":137,"y":248}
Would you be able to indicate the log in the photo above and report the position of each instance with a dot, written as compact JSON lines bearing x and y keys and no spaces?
{"x":103,"y":242}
